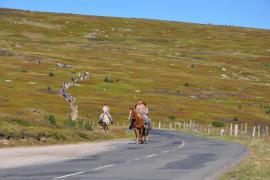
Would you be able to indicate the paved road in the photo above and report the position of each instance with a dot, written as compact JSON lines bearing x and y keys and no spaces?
{"x":169,"y":155}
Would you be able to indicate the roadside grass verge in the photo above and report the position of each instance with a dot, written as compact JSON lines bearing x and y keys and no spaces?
{"x":255,"y":166}
{"x":20,"y":132}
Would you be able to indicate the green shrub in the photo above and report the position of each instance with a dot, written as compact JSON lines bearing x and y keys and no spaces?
{"x":50,"y":119}
{"x":172,"y":117}
{"x":218,"y":123}
{"x":267,"y":111}
{"x":85,"y":125}
{"x":235,"y":119}
{"x":21,"y":122}
{"x":186,"y":84}
{"x":58,"y":136}
{"x":51,"y":74}
{"x":70,"y":123}
{"x":108,"y":79}
{"x":24,"y":71}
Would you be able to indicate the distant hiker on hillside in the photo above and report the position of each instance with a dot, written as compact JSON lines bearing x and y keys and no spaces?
{"x":106,"y":111}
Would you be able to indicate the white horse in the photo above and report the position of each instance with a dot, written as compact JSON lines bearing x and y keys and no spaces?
{"x":105,"y":121}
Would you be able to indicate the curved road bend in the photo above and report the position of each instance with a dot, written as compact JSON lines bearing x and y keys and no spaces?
{"x":169,"y":155}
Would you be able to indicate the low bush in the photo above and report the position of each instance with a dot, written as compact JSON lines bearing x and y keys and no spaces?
{"x":85,"y":125}
{"x":172,"y":117}
{"x":70,"y":123}
{"x":235,"y":119}
{"x":218,"y":123}
{"x":50,"y":119}
{"x":108,"y":80}
{"x":51,"y":74}
{"x":21,"y":122}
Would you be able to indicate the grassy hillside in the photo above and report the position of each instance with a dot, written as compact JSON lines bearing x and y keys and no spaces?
{"x":183,"y":71}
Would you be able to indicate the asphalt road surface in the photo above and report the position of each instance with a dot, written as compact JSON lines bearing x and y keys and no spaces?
{"x":169,"y":155}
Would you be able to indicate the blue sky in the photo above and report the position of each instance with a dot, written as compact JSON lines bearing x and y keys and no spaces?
{"x":246,"y":13}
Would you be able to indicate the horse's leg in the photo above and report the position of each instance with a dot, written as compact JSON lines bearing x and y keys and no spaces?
{"x":144,"y":133}
{"x":103,"y":127}
{"x":141,"y":135}
{"x":136,"y":134}
{"x":147,"y":134}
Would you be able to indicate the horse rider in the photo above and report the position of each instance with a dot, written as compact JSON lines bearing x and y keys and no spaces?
{"x":143,"y":110}
{"x":106,"y":110}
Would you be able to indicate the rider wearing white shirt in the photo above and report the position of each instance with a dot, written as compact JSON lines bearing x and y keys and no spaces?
{"x":106,"y":110}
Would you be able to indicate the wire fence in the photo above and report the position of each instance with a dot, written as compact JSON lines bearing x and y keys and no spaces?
{"x":231,"y":129}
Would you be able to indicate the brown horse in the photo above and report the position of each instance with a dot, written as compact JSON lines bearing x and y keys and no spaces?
{"x":138,"y":124}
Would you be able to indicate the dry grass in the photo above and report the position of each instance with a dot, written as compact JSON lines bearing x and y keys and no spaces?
{"x":256,"y":166}
{"x":189,"y":71}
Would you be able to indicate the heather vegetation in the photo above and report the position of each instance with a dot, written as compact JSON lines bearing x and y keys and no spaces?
{"x":183,"y":71}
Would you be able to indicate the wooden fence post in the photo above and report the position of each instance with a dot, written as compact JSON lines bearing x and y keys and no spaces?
{"x":221,"y":132}
{"x":246,"y":128}
{"x":184,"y":125}
{"x":170,"y":126}
{"x":231,"y":129}
{"x":208,"y":131}
{"x":236,"y":130}
{"x":266,"y":131}
{"x":259,"y":131}
{"x":242,"y":129}
{"x":159,"y":125}
{"x":254,"y":131}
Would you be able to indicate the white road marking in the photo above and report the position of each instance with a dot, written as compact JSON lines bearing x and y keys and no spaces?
{"x":102,"y":167}
{"x":152,"y":155}
{"x":128,"y":161}
{"x":60,"y":177}
{"x":165,"y":151}
{"x":182,"y":145}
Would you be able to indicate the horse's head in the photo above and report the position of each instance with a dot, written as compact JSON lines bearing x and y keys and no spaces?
{"x":131,"y":113}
